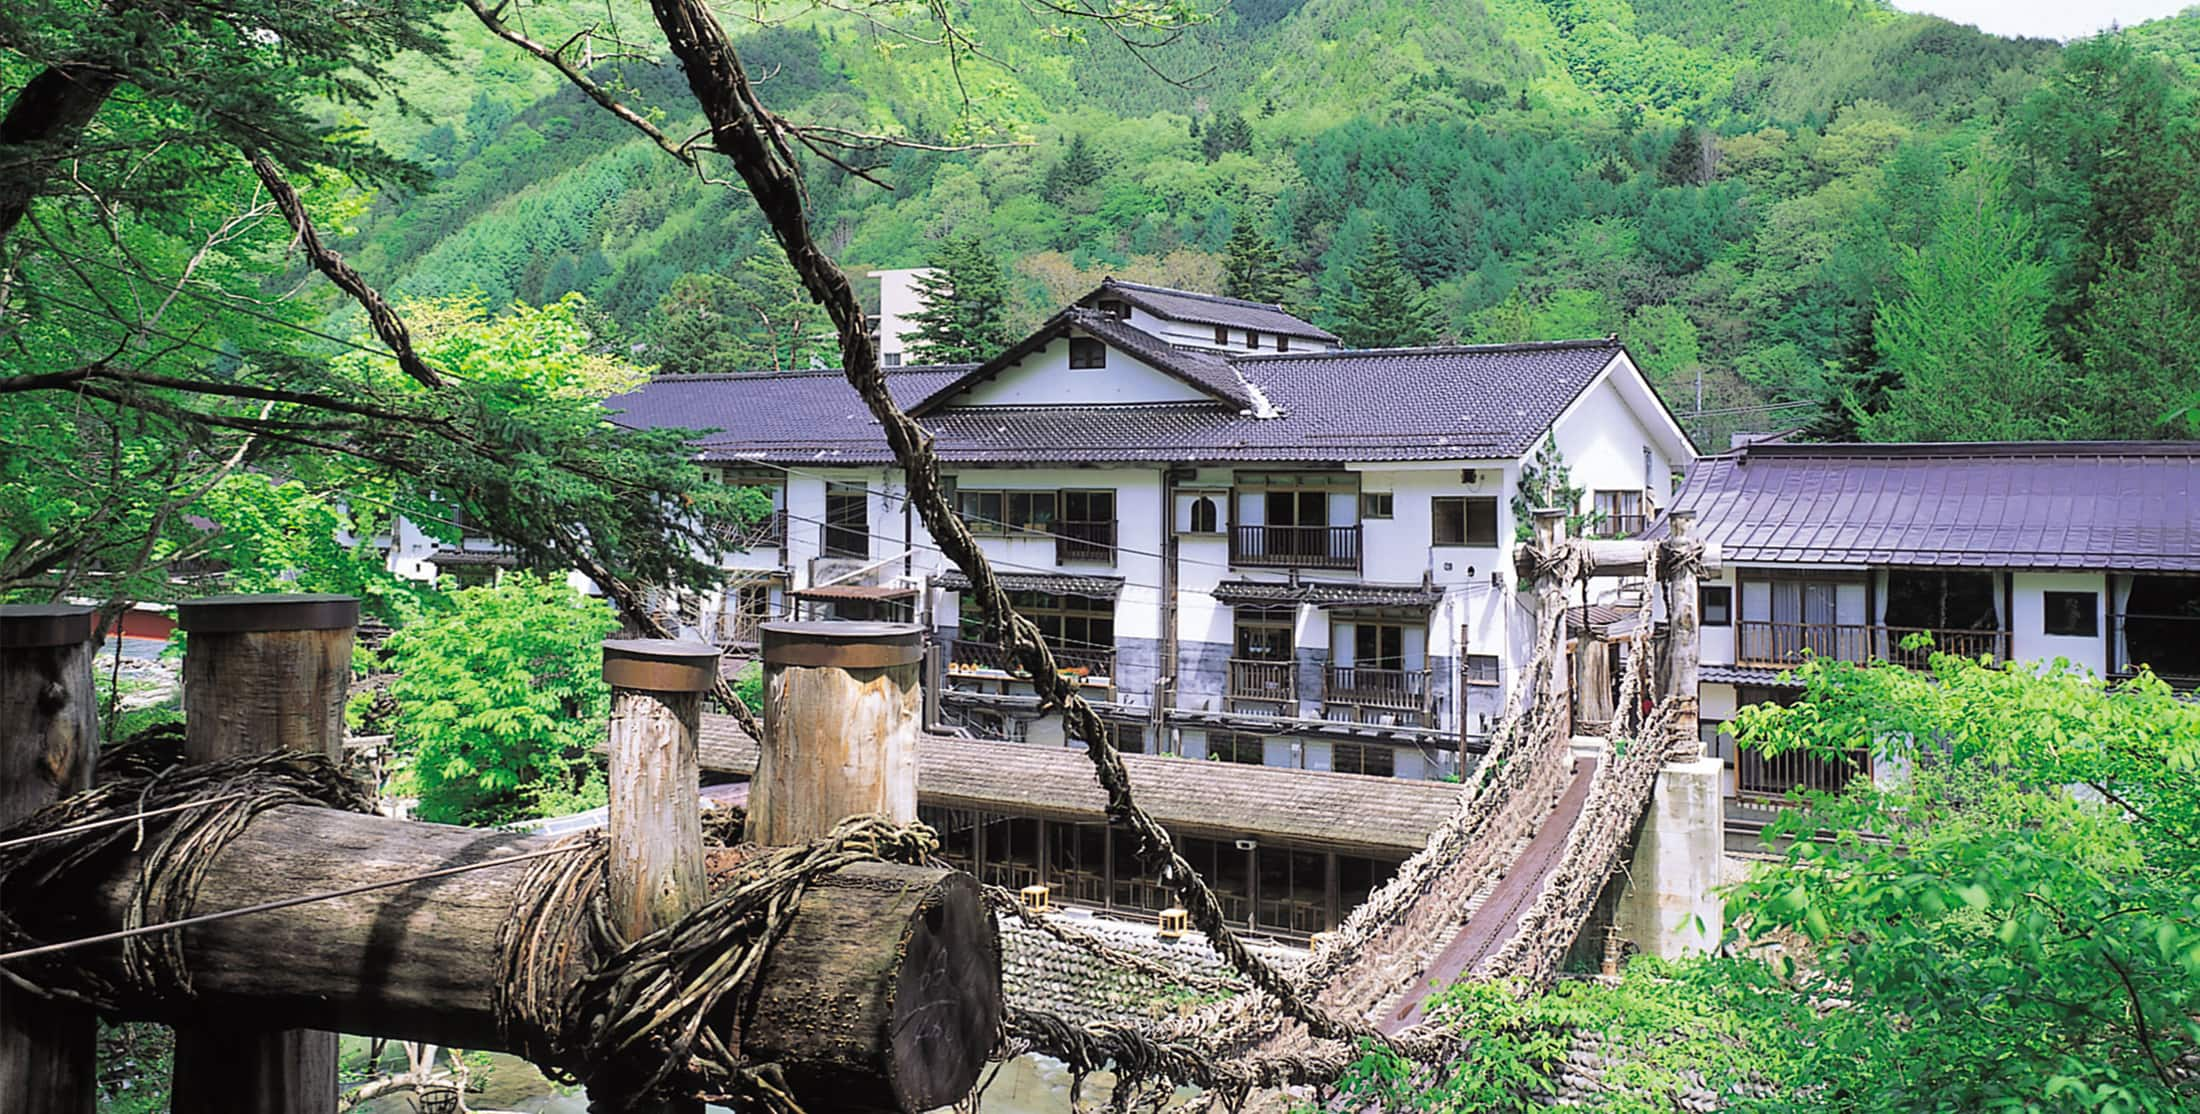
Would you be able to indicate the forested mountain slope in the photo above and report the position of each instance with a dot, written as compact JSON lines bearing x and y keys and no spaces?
{"x":1818,"y":212}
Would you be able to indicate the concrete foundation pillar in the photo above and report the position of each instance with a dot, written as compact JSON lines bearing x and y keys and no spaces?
{"x":1669,"y":909}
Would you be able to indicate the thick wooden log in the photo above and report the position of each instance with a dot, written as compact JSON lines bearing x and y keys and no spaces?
{"x":1615,"y":557}
{"x":842,"y":710}
{"x":831,"y":987}
{"x":49,"y":739}
{"x":1550,"y":605}
{"x":419,"y":961}
{"x":656,"y":869}
{"x":260,"y":674}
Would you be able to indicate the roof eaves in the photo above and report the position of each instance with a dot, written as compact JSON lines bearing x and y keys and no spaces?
{"x":1137,"y":294}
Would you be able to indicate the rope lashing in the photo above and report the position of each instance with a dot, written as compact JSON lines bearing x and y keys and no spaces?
{"x":663,"y":1015}
{"x":143,"y":776}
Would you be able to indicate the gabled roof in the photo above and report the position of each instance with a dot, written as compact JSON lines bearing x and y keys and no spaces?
{"x":2130,"y":506}
{"x":1475,"y":403}
{"x":1205,"y":372}
{"x":1208,"y":309}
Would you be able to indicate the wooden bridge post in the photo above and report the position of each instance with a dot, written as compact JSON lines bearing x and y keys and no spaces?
{"x":1550,"y":598}
{"x":656,"y":830}
{"x":261,"y":674}
{"x":49,"y":739}
{"x":1684,"y":635}
{"x":842,"y":709}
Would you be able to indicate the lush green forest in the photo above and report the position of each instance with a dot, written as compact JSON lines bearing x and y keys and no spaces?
{"x":1810,"y":212}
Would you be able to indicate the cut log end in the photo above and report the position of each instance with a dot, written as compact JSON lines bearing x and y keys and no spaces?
{"x":907,"y":1027}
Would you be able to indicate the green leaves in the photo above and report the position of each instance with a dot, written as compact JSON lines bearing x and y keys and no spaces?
{"x":501,"y":702}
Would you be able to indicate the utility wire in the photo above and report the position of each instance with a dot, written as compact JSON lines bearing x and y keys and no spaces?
{"x":114,"y":821}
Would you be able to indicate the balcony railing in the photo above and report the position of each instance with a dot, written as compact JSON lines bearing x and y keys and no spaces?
{"x":1085,"y":541}
{"x":1402,"y":690}
{"x":1267,"y":681}
{"x":1780,"y":645}
{"x":1083,"y":663}
{"x":1296,"y":547}
{"x":1756,"y":775}
{"x":768,"y":532}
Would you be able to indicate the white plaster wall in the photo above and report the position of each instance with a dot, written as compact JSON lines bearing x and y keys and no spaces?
{"x":1715,"y":645}
{"x":1045,"y":378}
{"x":1603,"y":439}
{"x":2030,"y":641}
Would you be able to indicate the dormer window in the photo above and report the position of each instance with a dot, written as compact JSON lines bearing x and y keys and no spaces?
{"x":1087,"y":352}
{"x":1252,"y":339}
{"x":1222,"y":336}
{"x":1116,"y":308}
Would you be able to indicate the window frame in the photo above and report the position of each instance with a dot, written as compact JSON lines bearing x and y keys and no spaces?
{"x":1359,"y":765}
{"x":1089,"y":530}
{"x":1704,"y":596}
{"x":1087,"y":354}
{"x":1237,"y":742}
{"x":2092,"y":614}
{"x":1467,"y":538}
{"x":1368,"y":505}
{"x":1609,"y":503}
{"x":1473,"y":676}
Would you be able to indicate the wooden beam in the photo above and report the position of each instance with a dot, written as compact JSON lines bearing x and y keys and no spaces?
{"x":261,"y":674}
{"x":1616,"y":557}
{"x":656,"y":869}
{"x":1684,"y":634}
{"x":49,"y":742}
{"x":842,"y":710}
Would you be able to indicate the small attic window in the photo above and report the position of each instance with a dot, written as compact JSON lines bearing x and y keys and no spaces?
{"x":1252,"y":338}
{"x":1283,"y":343}
{"x":1116,"y":308}
{"x":1222,"y":336}
{"x":1087,"y":352}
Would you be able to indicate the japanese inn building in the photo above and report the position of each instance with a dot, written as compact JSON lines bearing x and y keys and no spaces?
{"x":1248,"y":544}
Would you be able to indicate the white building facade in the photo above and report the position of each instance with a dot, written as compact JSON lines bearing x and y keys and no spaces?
{"x":1246,"y":543}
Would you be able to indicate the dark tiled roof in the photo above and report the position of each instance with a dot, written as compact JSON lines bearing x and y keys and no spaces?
{"x":854,"y":592}
{"x":1057,"y":584}
{"x":459,"y":558}
{"x":1742,"y":675}
{"x":2128,"y":506}
{"x":1467,"y":403}
{"x":1326,"y":594}
{"x":1597,"y":617}
{"x":1207,"y":372}
{"x":1389,"y":816}
{"x":1208,"y":309}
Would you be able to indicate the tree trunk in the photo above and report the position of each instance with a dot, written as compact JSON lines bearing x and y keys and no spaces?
{"x":41,"y":127}
{"x":842,"y":708}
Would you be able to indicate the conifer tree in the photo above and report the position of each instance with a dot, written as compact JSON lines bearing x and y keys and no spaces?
{"x":965,"y":314}
{"x":1968,"y":344}
{"x":1078,"y":169}
{"x":1253,"y":267}
{"x":1387,"y":307}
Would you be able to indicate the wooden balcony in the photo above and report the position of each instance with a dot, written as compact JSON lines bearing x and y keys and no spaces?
{"x":1391,"y":690}
{"x":1268,"y":682}
{"x":1782,"y":645}
{"x":1085,"y":665}
{"x":1756,"y":775}
{"x":1296,"y":547}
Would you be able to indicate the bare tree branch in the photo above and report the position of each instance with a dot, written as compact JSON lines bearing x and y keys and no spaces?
{"x":380,"y":316}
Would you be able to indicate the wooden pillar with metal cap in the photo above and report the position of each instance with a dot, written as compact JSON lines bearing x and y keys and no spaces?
{"x":1684,"y":633}
{"x":260,"y":674}
{"x":49,"y":743}
{"x":656,"y":829}
{"x":842,"y":712}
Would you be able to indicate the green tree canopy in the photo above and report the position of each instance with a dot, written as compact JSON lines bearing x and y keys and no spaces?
{"x":965,"y":314}
{"x":1386,"y":307}
{"x":1253,"y":267}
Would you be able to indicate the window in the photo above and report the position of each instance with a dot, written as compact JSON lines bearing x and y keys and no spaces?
{"x":1128,"y":738}
{"x":1088,"y":527}
{"x":1715,"y":606}
{"x":1070,"y":623}
{"x":1619,"y":513}
{"x":1649,"y":469}
{"x":1283,"y":343}
{"x":1116,"y":308}
{"x":1481,"y":669}
{"x":1233,"y":746}
{"x":1372,"y":759}
{"x":1222,"y":336}
{"x":847,"y":520}
{"x":1252,"y":338}
{"x":1086,"y":352}
{"x":1206,"y":517}
{"x":1265,"y":636}
{"x":1006,"y":512}
{"x":1463,"y":520}
{"x":1376,"y":504}
{"x":890,"y":359}
{"x":2076,"y":614}
{"x":1378,"y":646}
